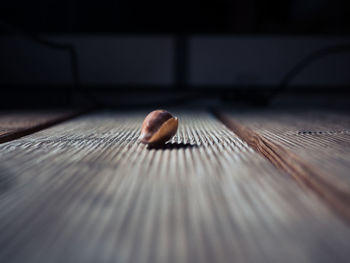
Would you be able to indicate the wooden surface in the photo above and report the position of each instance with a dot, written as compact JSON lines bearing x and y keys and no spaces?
{"x":312,"y":146}
{"x":16,"y":124}
{"x":88,"y":191}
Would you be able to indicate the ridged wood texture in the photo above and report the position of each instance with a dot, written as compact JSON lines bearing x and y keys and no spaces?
{"x":88,"y":191}
{"x":312,"y":146}
{"x":15,"y":124}
{"x":320,"y":138}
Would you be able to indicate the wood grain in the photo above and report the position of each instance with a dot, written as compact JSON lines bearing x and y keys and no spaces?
{"x":15,"y":124}
{"x":311,"y":146}
{"x":88,"y":191}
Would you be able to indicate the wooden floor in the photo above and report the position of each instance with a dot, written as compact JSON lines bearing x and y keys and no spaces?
{"x":86,"y":190}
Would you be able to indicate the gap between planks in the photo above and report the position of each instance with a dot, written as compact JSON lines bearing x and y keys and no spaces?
{"x":41,"y":125}
{"x":305,"y":174}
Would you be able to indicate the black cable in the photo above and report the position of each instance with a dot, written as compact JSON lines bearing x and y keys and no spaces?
{"x":305,"y":62}
{"x":54,"y":45}
{"x":74,"y":62}
{"x":70,"y":48}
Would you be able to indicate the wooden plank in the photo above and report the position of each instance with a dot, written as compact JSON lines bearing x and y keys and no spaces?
{"x":88,"y":191}
{"x":15,"y":124}
{"x":312,"y":146}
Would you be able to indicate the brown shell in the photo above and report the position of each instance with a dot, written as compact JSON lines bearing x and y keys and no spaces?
{"x":158,"y":127}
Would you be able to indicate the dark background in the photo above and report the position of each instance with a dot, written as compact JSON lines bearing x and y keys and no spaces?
{"x":193,"y":16}
{"x":133,"y":52}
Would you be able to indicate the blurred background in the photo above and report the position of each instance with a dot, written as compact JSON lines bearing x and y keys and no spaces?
{"x":125,"y":53}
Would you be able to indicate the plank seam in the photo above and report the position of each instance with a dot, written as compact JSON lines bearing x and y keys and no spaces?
{"x":27,"y":131}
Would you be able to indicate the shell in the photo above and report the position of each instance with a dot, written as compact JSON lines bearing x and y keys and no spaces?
{"x":158,"y":127}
